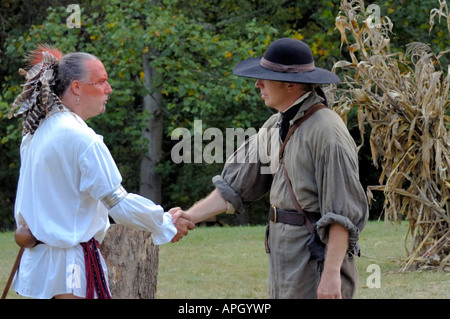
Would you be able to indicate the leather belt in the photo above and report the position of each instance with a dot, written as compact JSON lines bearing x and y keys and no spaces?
{"x":291,"y":217}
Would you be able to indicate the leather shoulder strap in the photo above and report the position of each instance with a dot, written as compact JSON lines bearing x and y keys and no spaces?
{"x":297,"y":205}
{"x":299,"y":122}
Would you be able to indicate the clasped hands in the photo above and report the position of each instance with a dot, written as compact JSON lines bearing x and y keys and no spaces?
{"x":182,"y":222}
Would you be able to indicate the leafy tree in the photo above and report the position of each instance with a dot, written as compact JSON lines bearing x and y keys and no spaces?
{"x":170,"y":65}
{"x":15,"y":19}
{"x":192,"y":46}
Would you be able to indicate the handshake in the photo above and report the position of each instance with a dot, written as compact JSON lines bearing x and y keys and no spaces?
{"x":182,"y":221}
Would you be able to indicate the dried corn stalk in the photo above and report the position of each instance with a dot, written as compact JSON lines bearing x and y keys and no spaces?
{"x":404,"y":97}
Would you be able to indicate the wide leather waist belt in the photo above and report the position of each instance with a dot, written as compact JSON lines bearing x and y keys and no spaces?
{"x":290,"y":217}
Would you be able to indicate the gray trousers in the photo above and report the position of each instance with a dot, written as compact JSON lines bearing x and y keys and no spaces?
{"x":292,"y":274}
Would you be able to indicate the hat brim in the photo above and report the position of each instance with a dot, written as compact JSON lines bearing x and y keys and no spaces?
{"x":251,"y":68}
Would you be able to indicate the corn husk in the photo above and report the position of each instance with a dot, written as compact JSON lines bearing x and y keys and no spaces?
{"x":404,"y":98}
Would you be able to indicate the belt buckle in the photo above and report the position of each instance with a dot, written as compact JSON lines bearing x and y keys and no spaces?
{"x":275,"y":214}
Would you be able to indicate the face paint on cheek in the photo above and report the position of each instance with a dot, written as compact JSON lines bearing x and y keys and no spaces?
{"x":94,"y":91}
{"x":91,"y":91}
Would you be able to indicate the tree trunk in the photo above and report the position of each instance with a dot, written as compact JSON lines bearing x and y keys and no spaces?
{"x":131,"y":256}
{"x":150,"y":182}
{"x":132,"y":261}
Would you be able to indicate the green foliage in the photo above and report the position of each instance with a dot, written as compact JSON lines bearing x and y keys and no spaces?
{"x":9,"y":163}
{"x":193,"y":46}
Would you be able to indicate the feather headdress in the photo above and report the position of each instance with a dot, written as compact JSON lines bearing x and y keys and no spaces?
{"x":37,"y":97}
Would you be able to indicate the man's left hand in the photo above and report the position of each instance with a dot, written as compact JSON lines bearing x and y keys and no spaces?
{"x":329,"y":286}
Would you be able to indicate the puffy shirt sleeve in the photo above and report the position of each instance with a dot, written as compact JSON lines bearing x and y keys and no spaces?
{"x":100,"y":176}
{"x":99,"y":172}
{"x":141,"y":213}
{"x":342,"y":198}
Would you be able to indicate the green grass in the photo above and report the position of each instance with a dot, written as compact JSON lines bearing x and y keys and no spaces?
{"x":230,"y":262}
{"x":214,"y":262}
{"x":8,"y":254}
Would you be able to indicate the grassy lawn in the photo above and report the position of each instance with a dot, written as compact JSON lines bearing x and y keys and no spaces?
{"x":230,"y":262}
{"x":215,"y":262}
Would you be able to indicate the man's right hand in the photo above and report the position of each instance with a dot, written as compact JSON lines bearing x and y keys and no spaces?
{"x":24,"y":238}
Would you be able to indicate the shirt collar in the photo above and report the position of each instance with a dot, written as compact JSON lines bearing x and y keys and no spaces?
{"x":291,"y":111}
{"x":56,"y":109}
{"x":298,"y":101}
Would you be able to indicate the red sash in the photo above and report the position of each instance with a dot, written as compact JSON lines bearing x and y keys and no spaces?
{"x":95,"y":278}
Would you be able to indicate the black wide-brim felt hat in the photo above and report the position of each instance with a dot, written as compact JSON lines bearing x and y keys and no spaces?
{"x":286,"y":60}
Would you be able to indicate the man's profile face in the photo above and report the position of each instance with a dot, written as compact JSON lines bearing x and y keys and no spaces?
{"x":95,"y":91}
{"x":274,"y":93}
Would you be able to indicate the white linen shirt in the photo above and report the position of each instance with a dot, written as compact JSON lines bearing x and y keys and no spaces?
{"x":65,"y":170}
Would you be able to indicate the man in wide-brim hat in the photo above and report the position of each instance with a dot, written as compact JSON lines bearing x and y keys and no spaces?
{"x":318,"y":206}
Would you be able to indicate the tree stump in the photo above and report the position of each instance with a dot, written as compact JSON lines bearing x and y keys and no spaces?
{"x":132,"y":261}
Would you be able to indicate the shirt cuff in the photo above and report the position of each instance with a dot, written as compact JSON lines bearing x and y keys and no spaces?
{"x":332,"y":218}
{"x":165,"y":232}
{"x":228,"y":193}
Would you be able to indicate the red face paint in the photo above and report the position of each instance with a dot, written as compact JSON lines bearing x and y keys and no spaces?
{"x":94,"y":92}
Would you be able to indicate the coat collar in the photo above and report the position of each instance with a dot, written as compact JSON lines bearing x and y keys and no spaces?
{"x":307,"y":101}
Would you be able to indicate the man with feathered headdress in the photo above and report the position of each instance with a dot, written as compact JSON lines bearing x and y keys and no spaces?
{"x":69,"y":183}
